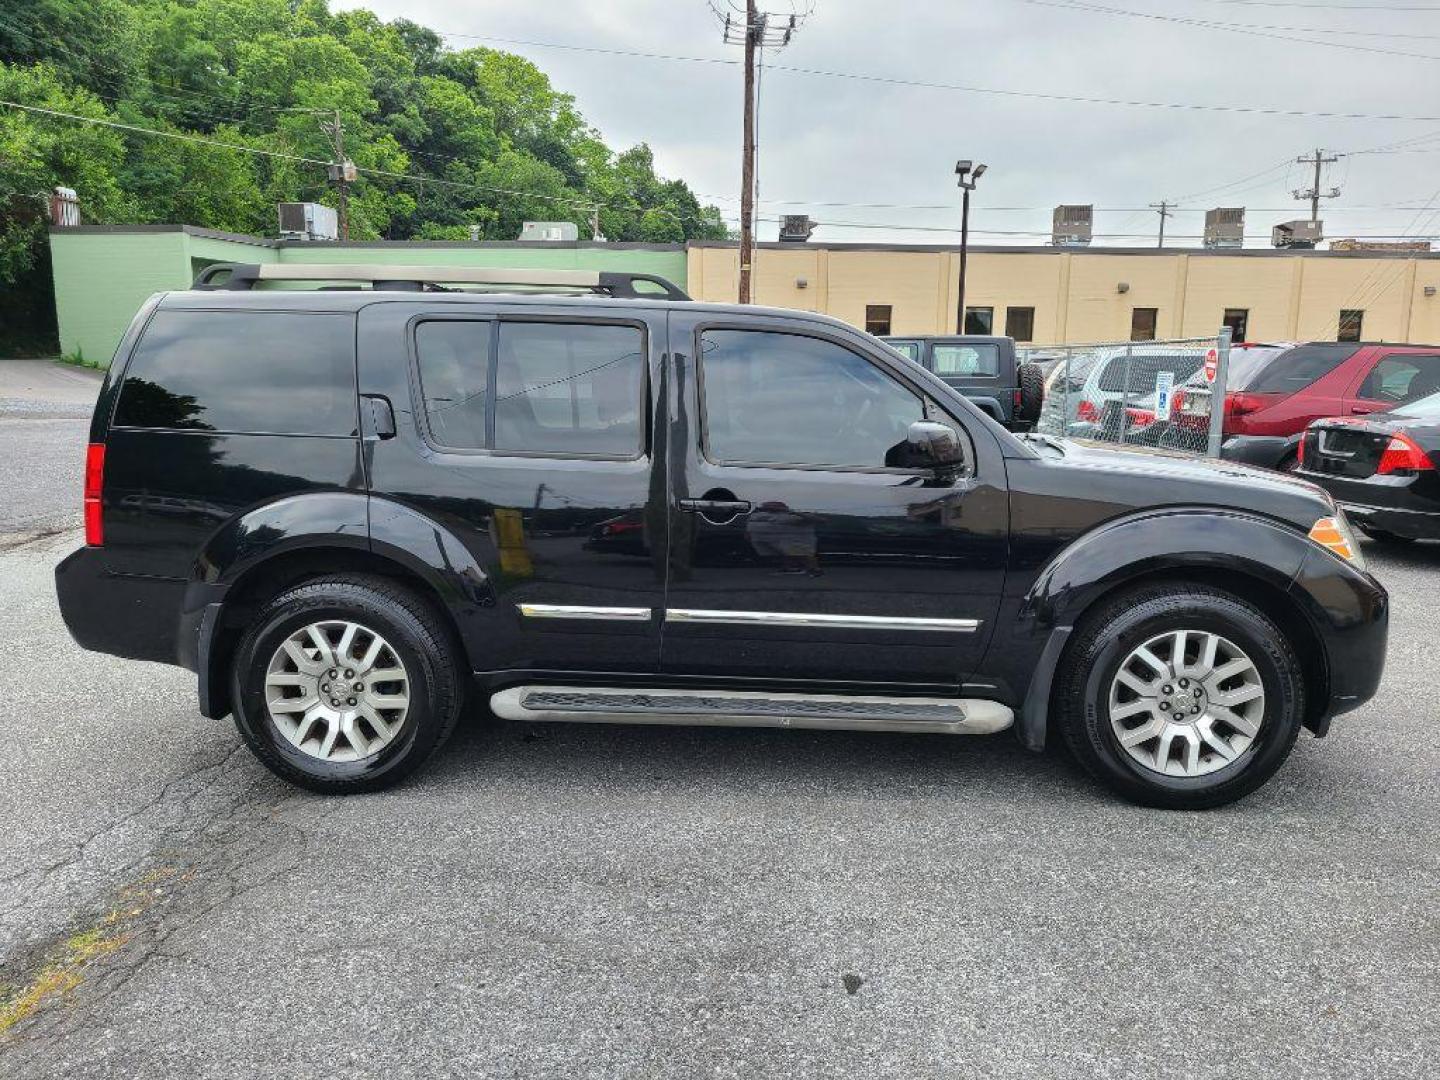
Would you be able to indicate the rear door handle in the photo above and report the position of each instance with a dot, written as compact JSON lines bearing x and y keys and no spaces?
{"x":377,"y":417}
{"x":715,"y":507}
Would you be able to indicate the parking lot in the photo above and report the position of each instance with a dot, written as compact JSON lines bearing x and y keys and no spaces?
{"x":652,"y":902}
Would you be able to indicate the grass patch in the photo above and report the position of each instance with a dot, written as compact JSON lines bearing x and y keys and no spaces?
{"x":79,"y":359}
{"x":68,"y":964}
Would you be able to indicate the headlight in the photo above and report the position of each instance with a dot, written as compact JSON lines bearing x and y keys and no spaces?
{"x":1334,"y":535}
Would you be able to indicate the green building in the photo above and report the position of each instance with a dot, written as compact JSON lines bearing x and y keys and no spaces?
{"x":103,"y":273}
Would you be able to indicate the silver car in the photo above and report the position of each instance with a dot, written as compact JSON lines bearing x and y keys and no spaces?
{"x":1086,"y":396}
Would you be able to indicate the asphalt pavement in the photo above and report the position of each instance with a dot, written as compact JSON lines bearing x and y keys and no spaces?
{"x":44,"y":422}
{"x":648,"y":902}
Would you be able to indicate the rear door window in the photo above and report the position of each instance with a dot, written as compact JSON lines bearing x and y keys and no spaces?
{"x":1401,"y":378}
{"x":966,"y":361}
{"x":565,"y":389}
{"x":270,"y":372}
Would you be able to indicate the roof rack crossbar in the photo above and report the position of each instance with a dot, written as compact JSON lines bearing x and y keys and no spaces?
{"x":620,"y":284}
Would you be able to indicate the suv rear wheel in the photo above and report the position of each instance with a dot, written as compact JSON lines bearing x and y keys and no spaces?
{"x":346,"y":683}
{"x":1180,"y":696}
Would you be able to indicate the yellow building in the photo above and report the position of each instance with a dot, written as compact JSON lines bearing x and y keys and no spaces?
{"x":1052,"y":296}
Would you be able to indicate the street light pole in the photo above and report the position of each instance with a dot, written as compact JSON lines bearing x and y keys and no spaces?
{"x":968,"y":172}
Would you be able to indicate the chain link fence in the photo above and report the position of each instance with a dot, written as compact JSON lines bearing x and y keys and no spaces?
{"x":1136,"y":393}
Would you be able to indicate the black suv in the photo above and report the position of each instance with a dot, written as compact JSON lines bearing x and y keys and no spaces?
{"x":348,"y":509}
{"x":985,"y":369}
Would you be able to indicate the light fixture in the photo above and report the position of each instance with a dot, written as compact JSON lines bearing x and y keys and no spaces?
{"x":1122,"y":287}
{"x":1429,"y":290}
{"x":802,"y":283}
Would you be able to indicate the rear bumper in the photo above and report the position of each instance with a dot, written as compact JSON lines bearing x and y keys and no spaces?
{"x":1390,"y":503}
{"x":134,"y":617}
{"x":1267,"y":451}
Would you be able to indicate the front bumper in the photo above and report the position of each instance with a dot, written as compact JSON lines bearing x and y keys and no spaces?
{"x":1350,"y":612}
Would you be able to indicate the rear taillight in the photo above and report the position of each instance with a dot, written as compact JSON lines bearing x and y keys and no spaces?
{"x":1403,"y":456}
{"x":1300,"y":451}
{"x":1087,"y":412}
{"x":94,"y":485}
{"x":1018,"y":398}
{"x":1239,"y":404}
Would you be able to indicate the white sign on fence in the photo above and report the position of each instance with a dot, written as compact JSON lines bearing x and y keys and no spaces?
{"x":1164,"y":388}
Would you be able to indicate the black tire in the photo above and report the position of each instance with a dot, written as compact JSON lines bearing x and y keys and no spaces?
{"x":1031,"y":380}
{"x":1106,"y":637}
{"x":1383,"y":536}
{"x":418,"y":636}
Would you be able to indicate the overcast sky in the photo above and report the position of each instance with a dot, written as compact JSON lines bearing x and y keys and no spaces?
{"x":842,"y":140}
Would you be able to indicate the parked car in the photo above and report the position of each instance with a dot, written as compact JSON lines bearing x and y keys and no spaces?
{"x":1380,"y":469}
{"x":348,"y":511}
{"x":1273,"y":392}
{"x":985,"y":370}
{"x":1087,"y":396}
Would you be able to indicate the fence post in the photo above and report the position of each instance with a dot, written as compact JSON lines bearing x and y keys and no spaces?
{"x":1217,"y":392}
{"x":1124,"y":395}
{"x":1064,"y":431}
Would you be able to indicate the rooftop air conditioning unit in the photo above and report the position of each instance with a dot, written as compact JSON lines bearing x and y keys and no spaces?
{"x":308,"y":221}
{"x":1225,"y":227}
{"x":1297,"y":234}
{"x":796,"y":228}
{"x":550,"y":232}
{"x":1071,"y":226}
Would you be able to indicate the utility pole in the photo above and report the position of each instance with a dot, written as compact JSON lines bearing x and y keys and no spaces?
{"x":1313,"y":193}
{"x":595,"y":223}
{"x":968,"y":172}
{"x":342,"y":171}
{"x":1166,"y":209}
{"x":760,"y":30}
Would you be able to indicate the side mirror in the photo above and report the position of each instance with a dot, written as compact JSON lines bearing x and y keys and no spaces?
{"x":929,"y":445}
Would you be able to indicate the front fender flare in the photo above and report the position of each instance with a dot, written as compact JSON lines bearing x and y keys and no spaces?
{"x":1171,"y":540}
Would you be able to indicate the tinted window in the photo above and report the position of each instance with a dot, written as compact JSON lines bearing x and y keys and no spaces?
{"x":786,"y":399}
{"x":1143,"y":371}
{"x":1142,"y":323}
{"x":979,"y":320}
{"x":966,"y":359}
{"x":1402,"y":378}
{"x":1020,"y":323}
{"x":291,"y":373}
{"x":454,"y":360}
{"x":1288,"y":371}
{"x":569,"y":388}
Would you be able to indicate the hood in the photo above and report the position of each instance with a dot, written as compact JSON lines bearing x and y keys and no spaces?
{"x":1140,"y":477}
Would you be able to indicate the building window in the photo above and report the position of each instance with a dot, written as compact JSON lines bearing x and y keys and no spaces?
{"x":979,"y":320}
{"x":1351,"y":321}
{"x":877,"y":319}
{"x":1020,"y":323}
{"x":1142,"y":323}
{"x":1238,"y":320}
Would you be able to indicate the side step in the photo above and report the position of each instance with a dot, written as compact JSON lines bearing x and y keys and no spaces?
{"x":733,"y":708}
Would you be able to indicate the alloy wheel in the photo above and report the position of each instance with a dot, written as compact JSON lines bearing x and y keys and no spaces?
{"x":1186,"y":703}
{"x":337,"y":691}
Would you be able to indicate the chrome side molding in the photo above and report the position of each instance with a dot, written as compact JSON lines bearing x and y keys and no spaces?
{"x":584,"y":611}
{"x":835,"y":622}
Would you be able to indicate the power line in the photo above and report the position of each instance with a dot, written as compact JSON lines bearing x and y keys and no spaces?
{"x":1250,"y":29}
{"x":1251,"y":110}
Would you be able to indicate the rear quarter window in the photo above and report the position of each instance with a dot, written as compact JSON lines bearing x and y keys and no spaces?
{"x":1292,"y":370}
{"x":287,"y":373}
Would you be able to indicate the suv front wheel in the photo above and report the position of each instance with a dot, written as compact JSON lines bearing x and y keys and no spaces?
{"x":345,"y":684}
{"x":1180,"y":696}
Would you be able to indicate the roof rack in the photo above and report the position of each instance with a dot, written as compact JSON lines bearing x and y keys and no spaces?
{"x":243,"y":276}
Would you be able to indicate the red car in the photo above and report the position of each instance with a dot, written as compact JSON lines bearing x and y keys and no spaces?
{"x":1273,"y":392}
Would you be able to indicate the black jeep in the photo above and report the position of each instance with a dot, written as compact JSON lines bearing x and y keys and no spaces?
{"x":983,"y":368}
{"x":349,"y":509}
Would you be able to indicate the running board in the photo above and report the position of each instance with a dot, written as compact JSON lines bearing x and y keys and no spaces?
{"x":733,"y":708}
